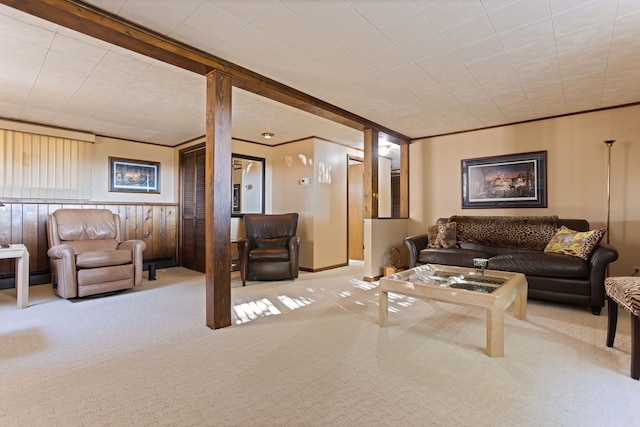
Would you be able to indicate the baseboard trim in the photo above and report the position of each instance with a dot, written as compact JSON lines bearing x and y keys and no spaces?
{"x":316,"y":270}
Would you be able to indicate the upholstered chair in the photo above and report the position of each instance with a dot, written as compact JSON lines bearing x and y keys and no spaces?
{"x":87,"y":253}
{"x":270,"y":250}
{"x":625,"y":292}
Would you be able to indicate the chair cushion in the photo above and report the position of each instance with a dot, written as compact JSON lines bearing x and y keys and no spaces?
{"x":275,"y":242}
{"x":85,"y":224}
{"x":94,"y":259}
{"x":268,"y":254}
{"x":625,"y":291}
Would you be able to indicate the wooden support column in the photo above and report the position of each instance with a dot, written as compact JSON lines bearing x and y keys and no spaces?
{"x":370,"y":173}
{"x":218,"y":200}
{"x":404,"y":181}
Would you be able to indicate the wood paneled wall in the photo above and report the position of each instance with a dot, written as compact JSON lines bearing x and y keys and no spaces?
{"x":155,"y":223}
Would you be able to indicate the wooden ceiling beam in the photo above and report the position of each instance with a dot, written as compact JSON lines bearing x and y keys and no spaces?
{"x":94,"y":22}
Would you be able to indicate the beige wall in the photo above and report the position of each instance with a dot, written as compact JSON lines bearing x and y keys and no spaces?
{"x":321,"y":205}
{"x":111,"y":147}
{"x":576,"y":173}
{"x":380,"y":235}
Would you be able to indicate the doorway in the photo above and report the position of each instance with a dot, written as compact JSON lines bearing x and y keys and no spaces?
{"x":355,"y":208}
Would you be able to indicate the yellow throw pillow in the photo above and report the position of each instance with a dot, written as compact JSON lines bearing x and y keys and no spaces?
{"x":575,"y":243}
{"x":442,"y":235}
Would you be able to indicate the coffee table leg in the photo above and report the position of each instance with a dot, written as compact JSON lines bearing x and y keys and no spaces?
{"x":383,"y":316}
{"x":520,"y":305}
{"x":495,"y":333}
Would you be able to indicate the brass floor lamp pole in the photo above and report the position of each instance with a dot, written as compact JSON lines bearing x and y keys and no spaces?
{"x":609,"y":143}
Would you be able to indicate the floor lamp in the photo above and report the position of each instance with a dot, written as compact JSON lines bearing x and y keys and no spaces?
{"x":609,"y":143}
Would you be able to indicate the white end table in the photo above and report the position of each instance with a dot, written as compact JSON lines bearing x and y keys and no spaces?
{"x":21,"y":255}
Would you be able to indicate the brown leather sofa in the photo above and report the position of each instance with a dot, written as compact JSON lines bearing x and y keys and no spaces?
{"x":552,"y":277}
{"x":88,"y":255}
{"x":271,"y":248}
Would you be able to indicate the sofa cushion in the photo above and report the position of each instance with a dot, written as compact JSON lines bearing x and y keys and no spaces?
{"x":518,"y":232}
{"x":442,"y":235}
{"x":540,"y":264}
{"x":94,"y":259}
{"x":450,"y":256}
{"x":574,"y":243}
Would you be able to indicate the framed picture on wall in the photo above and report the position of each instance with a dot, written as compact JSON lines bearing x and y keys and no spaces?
{"x":510,"y":181}
{"x":136,"y":176}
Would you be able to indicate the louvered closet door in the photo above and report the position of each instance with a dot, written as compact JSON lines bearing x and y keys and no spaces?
{"x":193,"y":210}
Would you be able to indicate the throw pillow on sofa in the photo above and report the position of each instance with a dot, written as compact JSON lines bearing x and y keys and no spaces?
{"x":575,"y":243}
{"x":442,"y":235}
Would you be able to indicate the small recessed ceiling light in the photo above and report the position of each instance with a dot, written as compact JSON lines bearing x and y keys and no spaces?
{"x":267,"y":135}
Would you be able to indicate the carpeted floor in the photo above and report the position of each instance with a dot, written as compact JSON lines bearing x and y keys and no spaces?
{"x":307,"y":352}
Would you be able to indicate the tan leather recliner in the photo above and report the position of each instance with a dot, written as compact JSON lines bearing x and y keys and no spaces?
{"x":87,"y":254}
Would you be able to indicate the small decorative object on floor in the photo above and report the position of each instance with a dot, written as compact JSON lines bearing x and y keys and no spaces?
{"x":393,"y":263}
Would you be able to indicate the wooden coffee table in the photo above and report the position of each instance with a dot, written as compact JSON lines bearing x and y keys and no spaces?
{"x":490,"y":290}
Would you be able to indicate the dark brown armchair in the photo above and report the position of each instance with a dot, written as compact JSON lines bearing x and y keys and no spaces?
{"x":88,"y":255}
{"x":271,"y":248}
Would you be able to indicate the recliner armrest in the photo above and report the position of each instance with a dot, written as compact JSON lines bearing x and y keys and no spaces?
{"x":62,"y":252}
{"x":137,"y":247}
{"x":63,"y":267}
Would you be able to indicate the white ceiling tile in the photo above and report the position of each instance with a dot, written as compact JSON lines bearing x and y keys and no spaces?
{"x":527,"y":54}
{"x":540,"y":32}
{"x":490,"y":46}
{"x":585,"y":38}
{"x":425,"y":47}
{"x":409,"y":28}
{"x":194,"y":37}
{"x":214,"y":21}
{"x":282,"y":23}
{"x":77,"y":48}
{"x":246,"y":10}
{"x":445,"y":14}
{"x":519,"y":14}
{"x":583,"y":16}
{"x":317,"y":12}
{"x":128,"y":64}
{"x":468,"y":32}
{"x":163,"y":16}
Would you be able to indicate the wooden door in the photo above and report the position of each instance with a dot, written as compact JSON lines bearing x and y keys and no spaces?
{"x":355,"y":210}
{"x":192,"y":241}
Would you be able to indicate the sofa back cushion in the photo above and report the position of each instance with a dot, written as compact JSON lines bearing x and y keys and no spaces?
{"x":517,"y":232}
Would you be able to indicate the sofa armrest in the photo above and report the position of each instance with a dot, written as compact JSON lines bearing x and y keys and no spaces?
{"x":414,"y":245}
{"x":599,"y":262}
{"x":63,"y":267}
{"x":137,"y":247}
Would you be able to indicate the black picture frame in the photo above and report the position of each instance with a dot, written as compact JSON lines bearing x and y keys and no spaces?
{"x":507,"y":181}
{"x":134,"y":176}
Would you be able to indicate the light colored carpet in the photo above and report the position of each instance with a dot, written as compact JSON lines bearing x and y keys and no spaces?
{"x":307,"y":352}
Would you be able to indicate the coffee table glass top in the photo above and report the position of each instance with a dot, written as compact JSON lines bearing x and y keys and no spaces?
{"x":470,"y":280}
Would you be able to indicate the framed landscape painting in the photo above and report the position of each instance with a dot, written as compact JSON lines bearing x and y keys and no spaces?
{"x":134,"y":175}
{"x":514,"y":181}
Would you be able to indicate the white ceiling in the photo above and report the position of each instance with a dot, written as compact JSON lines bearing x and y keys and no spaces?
{"x":420,"y":67}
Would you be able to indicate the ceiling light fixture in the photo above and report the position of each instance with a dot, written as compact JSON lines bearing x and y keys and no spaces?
{"x":267,"y":135}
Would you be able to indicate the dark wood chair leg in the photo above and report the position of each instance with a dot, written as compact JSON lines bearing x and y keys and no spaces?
{"x":612,"y":322}
{"x":635,"y":347}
